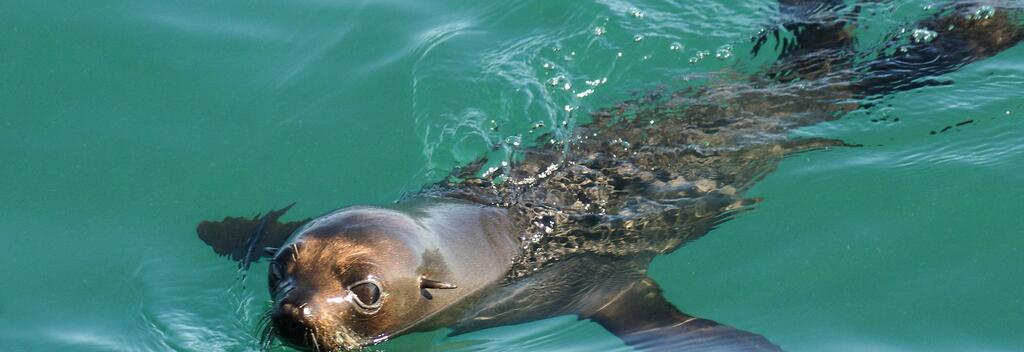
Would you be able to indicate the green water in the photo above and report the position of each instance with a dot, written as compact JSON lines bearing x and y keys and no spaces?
{"x":124,"y":123}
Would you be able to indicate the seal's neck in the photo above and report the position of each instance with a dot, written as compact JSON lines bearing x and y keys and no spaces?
{"x":476,"y":242}
{"x":474,"y":246}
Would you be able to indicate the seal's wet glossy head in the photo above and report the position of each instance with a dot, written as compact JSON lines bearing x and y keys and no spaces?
{"x":352,"y":278}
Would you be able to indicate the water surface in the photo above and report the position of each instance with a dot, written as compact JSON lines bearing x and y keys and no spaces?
{"x":124,"y":123}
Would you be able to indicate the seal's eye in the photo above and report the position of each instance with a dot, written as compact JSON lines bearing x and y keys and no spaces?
{"x":367,"y":294}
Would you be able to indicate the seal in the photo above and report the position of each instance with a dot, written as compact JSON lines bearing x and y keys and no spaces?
{"x":571,"y":228}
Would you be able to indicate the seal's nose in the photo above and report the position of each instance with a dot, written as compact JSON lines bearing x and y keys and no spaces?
{"x":293,"y":321}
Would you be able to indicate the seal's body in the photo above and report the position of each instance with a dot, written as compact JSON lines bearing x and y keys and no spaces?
{"x":571,"y":228}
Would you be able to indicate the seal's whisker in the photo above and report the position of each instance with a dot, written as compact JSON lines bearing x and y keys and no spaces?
{"x":266,"y":331}
{"x":312,"y":337}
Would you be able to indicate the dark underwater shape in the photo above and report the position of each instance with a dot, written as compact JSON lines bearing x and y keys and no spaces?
{"x":649,"y":175}
{"x":244,"y":239}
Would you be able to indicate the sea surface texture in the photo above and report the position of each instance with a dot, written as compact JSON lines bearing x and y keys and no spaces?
{"x":125,"y":123}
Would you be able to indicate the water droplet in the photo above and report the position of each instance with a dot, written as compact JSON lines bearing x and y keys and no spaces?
{"x":724,"y":52}
{"x":700,"y":55}
{"x":983,"y":13}
{"x":635,"y":12}
{"x":923,"y":35}
{"x":619,"y":54}
{"x":637,"y":38}
{"x":599,"y":30}
{"x":645,"y":57}
{"x":556,"y":80}
{"x":676,"y":46}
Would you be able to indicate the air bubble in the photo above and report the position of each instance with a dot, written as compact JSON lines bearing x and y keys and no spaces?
{"x":549,"y":66}
{"x":637,"y":38}
{"x":599,"y":30}
{"x":635,"y":12}
{"x":675,"y":46}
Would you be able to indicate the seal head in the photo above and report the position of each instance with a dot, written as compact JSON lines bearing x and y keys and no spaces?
{"x":353,"y":278}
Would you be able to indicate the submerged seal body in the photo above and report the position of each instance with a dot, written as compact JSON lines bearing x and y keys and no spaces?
{"x":571,"y":228}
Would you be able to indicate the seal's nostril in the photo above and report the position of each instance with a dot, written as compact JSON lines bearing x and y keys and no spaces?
{"x":292,"y":324}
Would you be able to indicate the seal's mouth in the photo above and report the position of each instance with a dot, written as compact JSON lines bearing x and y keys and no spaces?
{"x":310,"y":338}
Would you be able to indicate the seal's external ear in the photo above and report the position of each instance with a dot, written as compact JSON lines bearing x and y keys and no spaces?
{"x":270,"y":251}
{"x":426,"y":283}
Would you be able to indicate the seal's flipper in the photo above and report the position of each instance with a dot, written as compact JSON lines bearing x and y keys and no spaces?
{"x":244,"y":239}
{"x":642,"y":318}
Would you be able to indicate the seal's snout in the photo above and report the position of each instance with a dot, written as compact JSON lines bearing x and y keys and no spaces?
{"x":300,"y":322}
{"x":293,"y":322}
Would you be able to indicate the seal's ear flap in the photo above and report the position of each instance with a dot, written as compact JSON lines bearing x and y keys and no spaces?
{"x":246,"y":239}
{"x":642,"y":318}
{"x":426,"y":283}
